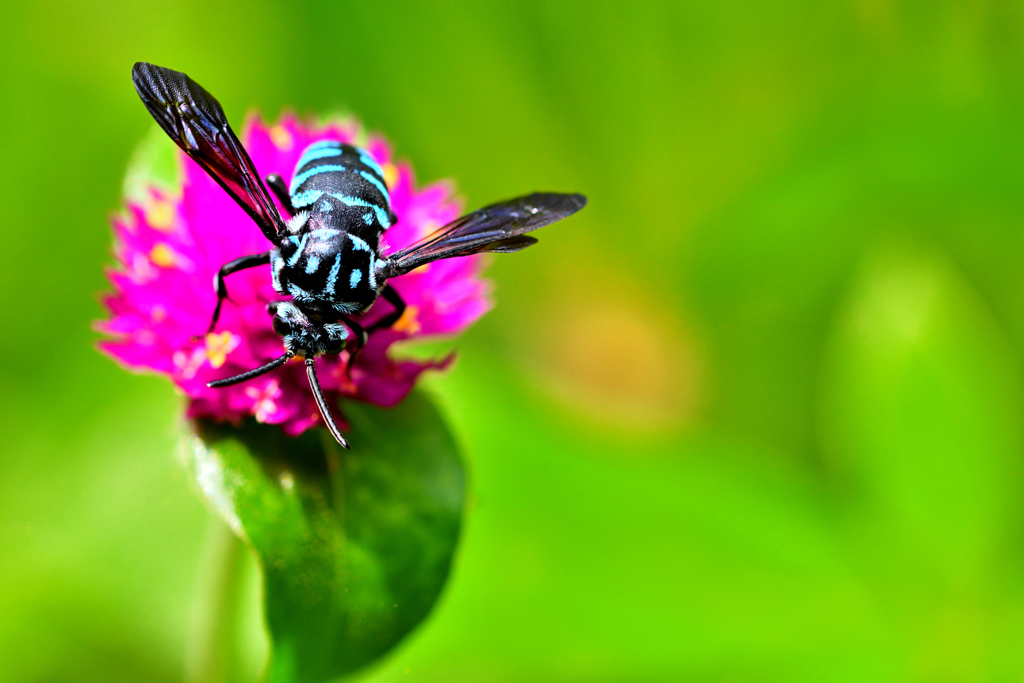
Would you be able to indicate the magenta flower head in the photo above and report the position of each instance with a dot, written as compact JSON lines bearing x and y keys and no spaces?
{"x":345,"y":260}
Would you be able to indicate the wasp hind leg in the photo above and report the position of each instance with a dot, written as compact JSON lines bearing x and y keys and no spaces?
{"x":221,"y":288}
{"x":280,"y":189}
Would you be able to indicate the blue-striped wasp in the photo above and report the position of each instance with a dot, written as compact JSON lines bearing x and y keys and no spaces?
{"x":326,"y":254}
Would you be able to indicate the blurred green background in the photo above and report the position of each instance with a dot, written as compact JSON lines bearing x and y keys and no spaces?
{"x":754,"y":415}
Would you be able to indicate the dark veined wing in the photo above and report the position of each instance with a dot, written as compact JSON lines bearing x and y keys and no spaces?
{"x":499,"y":228}
{"x":196,"y":122}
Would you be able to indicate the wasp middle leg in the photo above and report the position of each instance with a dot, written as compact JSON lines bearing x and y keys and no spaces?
{"x":395,"y":299}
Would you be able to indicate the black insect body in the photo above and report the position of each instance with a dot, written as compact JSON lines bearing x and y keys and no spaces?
{"x":326,"y":254}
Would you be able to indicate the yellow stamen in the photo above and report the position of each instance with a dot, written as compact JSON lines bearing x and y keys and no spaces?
{"x":162,"y":255}
{"x":160,"y":215}
{"x":218,"y":346}
{"x":428,"y":228}
{"x":282,"y":138}
{"x":408,"y":322}
{"x":390,"y":175}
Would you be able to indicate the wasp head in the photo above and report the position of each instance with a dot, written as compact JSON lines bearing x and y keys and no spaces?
{"x":306,"y":335}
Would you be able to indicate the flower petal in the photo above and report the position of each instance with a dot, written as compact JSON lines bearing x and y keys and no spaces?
{"x":169,"y":246}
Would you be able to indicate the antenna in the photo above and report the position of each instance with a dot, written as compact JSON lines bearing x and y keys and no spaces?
{"x":263,"y":369}
{"x":322,"y":404}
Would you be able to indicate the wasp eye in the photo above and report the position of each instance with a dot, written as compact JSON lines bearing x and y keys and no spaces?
{"x":281,"y":326}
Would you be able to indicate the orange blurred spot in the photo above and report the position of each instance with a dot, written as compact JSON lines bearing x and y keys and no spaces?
{"x":606,"y":354}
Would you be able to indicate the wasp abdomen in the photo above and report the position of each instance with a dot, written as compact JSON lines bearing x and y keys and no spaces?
{"x":331,"y":176}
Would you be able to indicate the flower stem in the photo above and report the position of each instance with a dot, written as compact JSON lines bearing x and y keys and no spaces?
{"x":227,"y":643}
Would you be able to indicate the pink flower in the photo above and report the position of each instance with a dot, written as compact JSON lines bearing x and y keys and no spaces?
{"x":169,"y":247}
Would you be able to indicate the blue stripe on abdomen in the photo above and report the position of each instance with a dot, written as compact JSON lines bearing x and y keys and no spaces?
{"x":319,"y":144}
{"x":312,"y":154}
{"x":378,"y":184}
{"x":368,"y":160}
{"x":298,"y":180}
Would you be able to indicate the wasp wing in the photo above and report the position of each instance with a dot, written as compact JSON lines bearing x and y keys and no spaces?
{"x":196,"y":122}
{"x":497,"y":228}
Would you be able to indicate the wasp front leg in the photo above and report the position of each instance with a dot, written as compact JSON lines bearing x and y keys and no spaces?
{"x":221,"y":288}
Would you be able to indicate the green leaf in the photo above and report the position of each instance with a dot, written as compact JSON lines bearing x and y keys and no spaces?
{"x":922,"y":398}
{"x":355,"y":545}
{"x":154,"y":162}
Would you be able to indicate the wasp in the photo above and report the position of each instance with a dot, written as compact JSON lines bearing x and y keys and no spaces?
{"x":326,"y":253}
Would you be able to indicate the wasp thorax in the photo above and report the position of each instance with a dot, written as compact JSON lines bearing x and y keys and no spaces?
{"x":303,"y":336}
